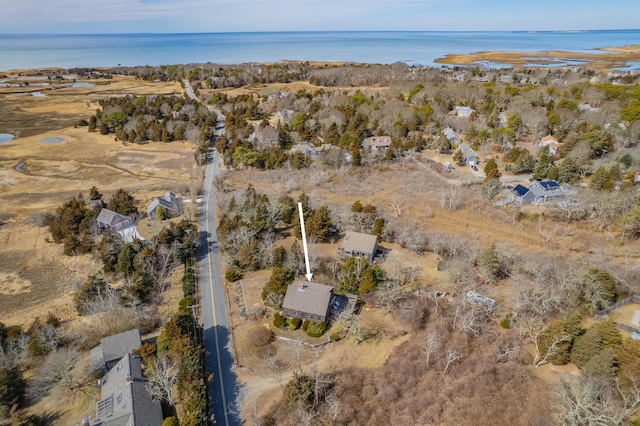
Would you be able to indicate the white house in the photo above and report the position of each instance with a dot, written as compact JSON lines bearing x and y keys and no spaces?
{"x":464,"y":111}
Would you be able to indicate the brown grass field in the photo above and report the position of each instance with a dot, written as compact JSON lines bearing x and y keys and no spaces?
{"x":38,"y":176}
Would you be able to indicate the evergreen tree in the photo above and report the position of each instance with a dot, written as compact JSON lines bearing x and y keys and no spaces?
{"x":491,"y":170}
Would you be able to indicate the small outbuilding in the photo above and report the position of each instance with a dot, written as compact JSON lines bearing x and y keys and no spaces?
{"x":307,"y":301}
{"x":359,"y":244}
{"x":169,"y":202}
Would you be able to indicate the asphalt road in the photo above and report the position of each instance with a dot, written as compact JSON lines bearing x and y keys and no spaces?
{"x":223,"y":390}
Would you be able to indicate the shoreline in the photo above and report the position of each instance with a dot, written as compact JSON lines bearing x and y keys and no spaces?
{"x":604,"y":59}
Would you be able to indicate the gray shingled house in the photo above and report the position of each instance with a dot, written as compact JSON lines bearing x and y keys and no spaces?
{"x":358,"y":244}
{"x":125,"y":399}
{"x":112,"y":348}
{"x":307,"y":301}
{"x":108,"y":219}
{"x":169,"y":202}
{"x":377,"y":143}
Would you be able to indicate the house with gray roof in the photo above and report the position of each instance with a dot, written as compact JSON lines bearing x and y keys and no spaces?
{"x":451,"y":136}
{"x":542,"y":192}
{"x":468,"y":155}
{"x":125,"y":400}
{"x":312,"y":151}
{"x":112,"y":348}
{"x":108,"y":219}
{"x":169,"y":202}
{"x":464,"y":111}
{"x":359,"y":244}
{"x":307,"y":301}
{"x":377,"y":143}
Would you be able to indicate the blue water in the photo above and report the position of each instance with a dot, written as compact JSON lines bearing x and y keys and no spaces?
{"x":412,"y":47}
{"x":5,"y":138}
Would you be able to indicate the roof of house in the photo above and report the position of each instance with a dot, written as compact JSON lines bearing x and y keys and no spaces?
{"x":377,"y":142}
{"x":304,"y":148}
{"x":114,"y":347}
{"x":308,"y":297}
{"x":520,"y":190}
{"x":125,"y":399}
{"x":465,"y":110}
{"x":109,"y":217}
{"x":549,"y":140}
{"x":450,"y":134}
{"x":165,"y":202}
{"x":356,"y":241}
{"x":467,"y":152}
{"x":549,"y":184}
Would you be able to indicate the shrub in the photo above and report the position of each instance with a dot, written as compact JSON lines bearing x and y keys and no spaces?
{"x":40,"y":219}
{"x":188,"y":289}
{"x":293,"y":323}
{"x":171,"y":421}
{"x":278,"y":320}
{"x":185,"y":305}
{"x":305,"y":324}
{"x":260,"y":336}
{"x":316,"y":330}
{"x":335,"y":337}
{"x":233,"y":275}
{"x":506,"y":322}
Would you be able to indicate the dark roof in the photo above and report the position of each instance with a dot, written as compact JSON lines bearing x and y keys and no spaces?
{"x":114,"y":347}
{"x":125,"y":399}
{"x":356,"y":241}
{"x":520,"y":190}
{"x":308,"y":297}
{"x":108,"y":217}
{"x":549,"y":184}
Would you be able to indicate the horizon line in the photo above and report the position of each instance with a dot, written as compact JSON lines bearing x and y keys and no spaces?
{"x":326,"y":31}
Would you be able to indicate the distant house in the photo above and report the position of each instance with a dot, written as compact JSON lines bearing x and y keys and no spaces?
{"x":587,"y":108}
{"x":108,"y":219}
{"x":451,"y":136}
{"x":305,"y":149}
{"x":169,"y":202}
{"x":112,"y":348}
{"x":377,"y":143}
{"x":469,"y":155}
{"x":506,"y":79}
{"x":543,"y":192}
{"x":480,"y":79}
{"x":477,"y":299}
{"x":464,"y":111}
{"x":551,"y":142}
{"x":307,"y":301}
{"x":447,"y":165}
{"x":125,"y":400}
{"x":312,"y":151}
{"x":358,"y":244}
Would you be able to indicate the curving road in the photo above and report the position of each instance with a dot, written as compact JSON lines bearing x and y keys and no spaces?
{"x":223,"y":390}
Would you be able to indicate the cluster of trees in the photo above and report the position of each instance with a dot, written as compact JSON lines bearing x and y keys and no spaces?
{"x":156,"y":118}
{"x":74,"y":223}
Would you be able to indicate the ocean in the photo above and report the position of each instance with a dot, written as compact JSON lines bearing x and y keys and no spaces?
{"x":411,"y":47}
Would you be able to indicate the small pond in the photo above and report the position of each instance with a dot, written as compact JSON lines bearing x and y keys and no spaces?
{"x":38,"y":95}
{"x":52,"y":140}
{"x":81,"y":84}
{"x":6,"y":138}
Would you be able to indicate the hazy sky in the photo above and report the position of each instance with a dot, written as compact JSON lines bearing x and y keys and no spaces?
{"x":168,"y":16}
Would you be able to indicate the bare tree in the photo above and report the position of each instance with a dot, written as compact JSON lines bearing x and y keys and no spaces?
{"x":546,"y":349}
{"x":162,"y":376}
{"x":276,"y":368}
{"x":453,"y":355}
{"x":397,"y":205}
{"x":432,"y":345}
{"x":450,"y":197}
{"x":57,"y":370}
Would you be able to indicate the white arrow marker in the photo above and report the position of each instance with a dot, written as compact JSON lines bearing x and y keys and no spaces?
{"x":304,"y":243}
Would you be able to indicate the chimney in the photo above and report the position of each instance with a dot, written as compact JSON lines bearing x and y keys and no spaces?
{"x":301,"y":286}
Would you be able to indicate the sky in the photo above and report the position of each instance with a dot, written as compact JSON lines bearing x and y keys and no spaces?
{"x":188,"y":16}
